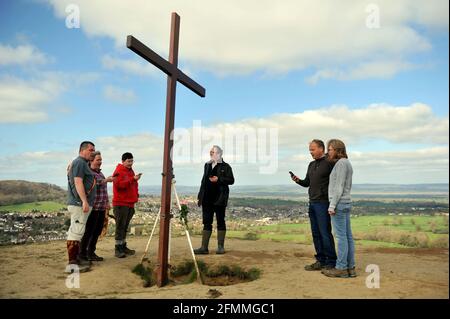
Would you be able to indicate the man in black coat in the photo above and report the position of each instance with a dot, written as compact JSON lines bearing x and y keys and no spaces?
{"x":213,"y":197}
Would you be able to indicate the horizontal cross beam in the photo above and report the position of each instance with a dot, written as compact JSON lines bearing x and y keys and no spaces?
{"x":151,"y":56}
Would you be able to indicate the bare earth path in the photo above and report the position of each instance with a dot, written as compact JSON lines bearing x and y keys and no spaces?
{"x":36,"y":271}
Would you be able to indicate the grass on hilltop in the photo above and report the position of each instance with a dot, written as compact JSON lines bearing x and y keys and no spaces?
{"x":370,"y":231}
{"x":44,"y":206}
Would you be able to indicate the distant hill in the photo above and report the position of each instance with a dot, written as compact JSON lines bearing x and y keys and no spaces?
{"x":293,"y":190}
{"x":17,"y":192}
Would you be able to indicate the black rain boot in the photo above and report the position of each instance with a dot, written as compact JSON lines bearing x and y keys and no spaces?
{"x":220,"y":242}
{"x":205,"y":242}
{"x":119,"y":253}
{"x":127,"y":251}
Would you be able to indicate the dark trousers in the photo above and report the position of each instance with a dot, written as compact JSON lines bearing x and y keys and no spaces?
{"x":321,"y":233}
{"x":94,"y":226}
{"x":208,"y":211}
{"x":123,"y":215}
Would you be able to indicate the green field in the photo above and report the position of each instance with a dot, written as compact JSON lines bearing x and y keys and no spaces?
{"x":370,"y":231}
{"x":46,"y":206}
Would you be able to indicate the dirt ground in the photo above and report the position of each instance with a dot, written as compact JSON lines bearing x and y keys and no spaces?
{"x":37,"y":271}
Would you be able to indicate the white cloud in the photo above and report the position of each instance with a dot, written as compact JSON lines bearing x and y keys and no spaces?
{"x":133,"y":67}
{"x":385,"y":124}
{"x":23,"y":102}
{"x":237,"y":37}
{"x":424,"y":165}
{"x":119,"y":95}
{"x":30,"y":101}
{"x":146,"y":148}
{"x":39,"y":166}
{"x":50,"y":166}
{"x":415,"y":123}
{"x":421,"y":137}
{"x":21,"y":55}
{"x":377,"y":70}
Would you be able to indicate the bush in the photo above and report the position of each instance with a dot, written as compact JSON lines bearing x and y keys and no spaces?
{"x":440,"y":231}
{"x":404,"y":238}
{"x":188,"y":268}
{"x":440,"y":242}
{"x":251,"y":236}
{"x":145,"y":273}
{"x":411,"y":240}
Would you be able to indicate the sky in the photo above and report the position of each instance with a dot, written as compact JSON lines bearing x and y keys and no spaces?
{"x":277,"y":75}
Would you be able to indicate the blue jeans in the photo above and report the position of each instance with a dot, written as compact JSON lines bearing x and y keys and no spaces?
{"x":343,"y":232}
{"x":321,"y":233}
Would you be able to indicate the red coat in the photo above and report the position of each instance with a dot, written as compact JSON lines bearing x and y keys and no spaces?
{"x":125,"y":187}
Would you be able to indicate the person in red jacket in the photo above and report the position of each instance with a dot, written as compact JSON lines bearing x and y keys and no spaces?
{"x":125,"y":195}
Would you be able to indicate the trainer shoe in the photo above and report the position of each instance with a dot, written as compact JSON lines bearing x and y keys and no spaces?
{"x":314,"y":266}
{"x":333,"y":272}
{"x":352,"y":272}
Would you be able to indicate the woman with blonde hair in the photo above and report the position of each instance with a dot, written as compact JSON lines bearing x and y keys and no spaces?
{"x":339,"y":209}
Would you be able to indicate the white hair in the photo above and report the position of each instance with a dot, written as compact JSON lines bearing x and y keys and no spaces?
{"x":218,"y":149}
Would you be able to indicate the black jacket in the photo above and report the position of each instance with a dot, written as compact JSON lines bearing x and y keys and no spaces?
{"x":317,"y":179}
{"x":225,"y":178}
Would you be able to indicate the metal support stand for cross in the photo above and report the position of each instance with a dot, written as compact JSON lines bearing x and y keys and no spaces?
{"x":174,"y":191}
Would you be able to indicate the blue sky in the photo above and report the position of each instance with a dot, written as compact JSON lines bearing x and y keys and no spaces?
{"x":316,"y":73}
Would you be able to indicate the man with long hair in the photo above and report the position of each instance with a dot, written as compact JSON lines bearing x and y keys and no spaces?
{"x":339,"y":209}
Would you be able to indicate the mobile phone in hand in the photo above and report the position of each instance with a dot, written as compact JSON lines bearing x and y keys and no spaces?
{"x":292,"y":174}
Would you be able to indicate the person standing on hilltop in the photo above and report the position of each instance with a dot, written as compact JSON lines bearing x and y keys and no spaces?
{"x":81,"y":197}
{"x":339,"y":210}
{"x":94,"y":225}
{"x":125,"y":195}
{"x":213,"y":197}
{"x":317,"y":179}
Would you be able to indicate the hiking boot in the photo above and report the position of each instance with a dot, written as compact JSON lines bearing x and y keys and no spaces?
{"x":119,"y":253}
{"x":314,"y":266}
{"x":84,"y":261}
{"x":201,"y":251}
{"x":72,"y":267}
{"x":205,"y":242}
{"x":73,"y":248}
{"x":127,"y":251}
{"x":94,"y":257}
{"x":327,"y":267}
{"x":339,"y":273}
{"x":351,"y":272}
{"x":220,"y":242}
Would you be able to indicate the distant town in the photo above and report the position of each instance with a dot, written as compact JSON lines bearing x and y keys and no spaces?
{"x":243,"y":212}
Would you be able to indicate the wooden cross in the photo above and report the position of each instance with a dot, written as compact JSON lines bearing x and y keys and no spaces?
{"x":173,"y":75}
